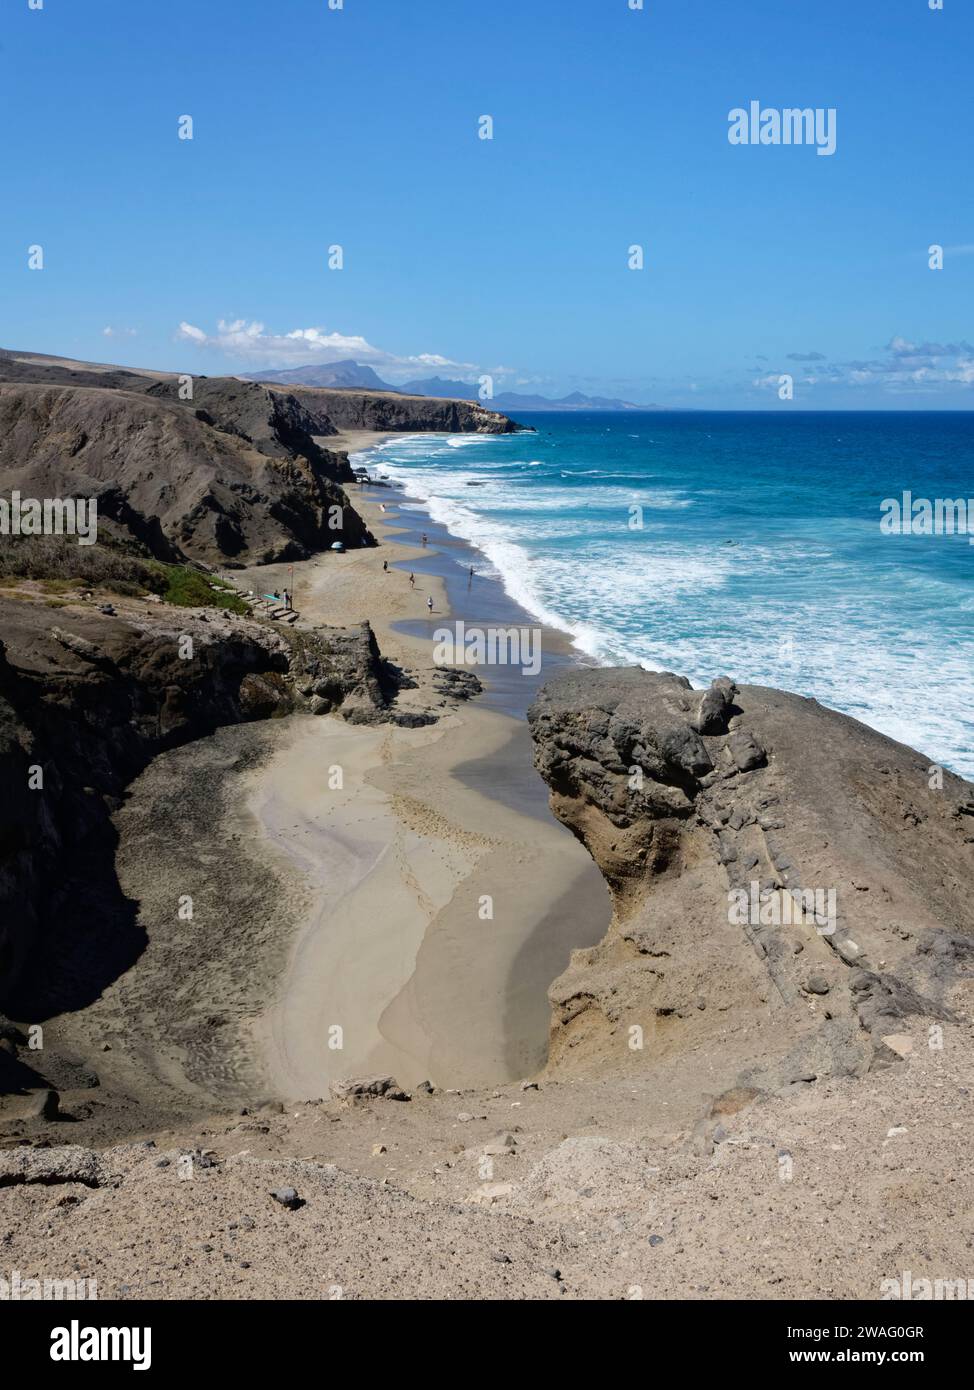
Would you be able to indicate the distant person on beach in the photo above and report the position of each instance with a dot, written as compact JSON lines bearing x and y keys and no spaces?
{"x":429,"y":603}
{"x":412,"y":581}
{"x":385,"y":566}
{"x":287,"y":601}
{"x":424,"y":538}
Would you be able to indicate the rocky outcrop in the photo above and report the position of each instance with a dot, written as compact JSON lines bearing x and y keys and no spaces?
{"x":235,"y":401}
{"x":273,"y":421}
{"x":193,"y":475}
{"x":343,"y":667}
{"x":368,"y":1088}
{"x":86,"y":700}
{"x":386,"y":410}
{"x":214,"y":469}
{"x":787,"y":882}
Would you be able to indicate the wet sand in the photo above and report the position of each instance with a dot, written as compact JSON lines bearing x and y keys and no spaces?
{"x":365,"y":897}
{"x":442,"y":896}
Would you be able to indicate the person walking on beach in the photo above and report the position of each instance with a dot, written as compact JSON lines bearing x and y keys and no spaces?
{"x":429,"y":603}
{"x":412,"y":581}
{"x":385,"y":566}
{"x":424,"y":538}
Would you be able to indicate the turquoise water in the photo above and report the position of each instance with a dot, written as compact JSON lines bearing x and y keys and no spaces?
{"x":759,"y":552}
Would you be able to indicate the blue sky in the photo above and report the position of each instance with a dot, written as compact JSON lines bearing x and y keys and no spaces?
{"x":359,"y":127}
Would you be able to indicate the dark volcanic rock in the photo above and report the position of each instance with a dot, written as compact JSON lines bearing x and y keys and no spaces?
{"x":716,"y":707}
{"x":344,"y":667}
{"x":229,"y":403}
{"x":272,"y":420}
{"x":235,"y":474}
{"x":369,"y":410}
{"x":213,"y":494}
{"x":85,"y":702}
{"x":183,"y":479}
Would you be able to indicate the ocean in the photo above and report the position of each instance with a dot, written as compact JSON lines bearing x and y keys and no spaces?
{"x":743,"y":544}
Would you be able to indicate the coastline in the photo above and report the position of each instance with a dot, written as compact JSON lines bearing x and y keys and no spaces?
{"x":370,"y":896}
{"x":445,"y":564}
{"x":475,"y":597}
{"x":370,"y":921}
{"x":320,"y":908}
{"x":394,"y":868}
{"x":729,"y":567}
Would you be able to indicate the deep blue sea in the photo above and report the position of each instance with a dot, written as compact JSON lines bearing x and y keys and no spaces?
{"x":759,"y":553}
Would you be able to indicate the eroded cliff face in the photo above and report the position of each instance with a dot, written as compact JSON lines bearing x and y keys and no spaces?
{"x":270,"y":418}
{"x":86,"y":700}
{"x":787,"y":882}
{"x":240,"y":405}
{"x":386,"y":410}
{"x":213,"y":469}
{"x":232,"y":477}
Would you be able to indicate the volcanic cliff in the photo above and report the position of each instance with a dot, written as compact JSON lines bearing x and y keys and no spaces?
{"x":213,"y":469}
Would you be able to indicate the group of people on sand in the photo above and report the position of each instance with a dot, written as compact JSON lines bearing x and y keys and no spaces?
{"x":412,"y":580}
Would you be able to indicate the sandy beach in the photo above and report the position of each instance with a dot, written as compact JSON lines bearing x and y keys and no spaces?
{"x":367,"y":897}
{"x":486,"y":651}
{"x":442,"y":897}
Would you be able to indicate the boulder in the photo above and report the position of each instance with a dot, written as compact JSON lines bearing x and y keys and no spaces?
{"x":368,"y":1088}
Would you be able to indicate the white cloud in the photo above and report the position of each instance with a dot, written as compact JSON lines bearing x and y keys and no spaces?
{"x":908,"y":367}
{"x":251,"y":343}
{"x":111,"y":332}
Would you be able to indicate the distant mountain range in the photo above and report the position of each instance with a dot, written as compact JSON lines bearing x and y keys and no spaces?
{"x":354,"y":376}
{"x":349,"y":375}
{"x":513,"y":400}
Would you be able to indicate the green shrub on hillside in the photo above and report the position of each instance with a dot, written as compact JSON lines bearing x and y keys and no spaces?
{"x":57,"y":564}
{"x":189,"y":588}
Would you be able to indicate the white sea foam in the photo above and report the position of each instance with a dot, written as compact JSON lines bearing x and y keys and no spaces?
{"x":669,"y":600}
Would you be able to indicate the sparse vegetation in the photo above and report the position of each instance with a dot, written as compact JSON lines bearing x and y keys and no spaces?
{"x":57,"y":565}
{"x":190,"y":588}
{"x":58,"y":562}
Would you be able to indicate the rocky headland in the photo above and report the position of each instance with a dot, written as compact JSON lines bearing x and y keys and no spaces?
{"x":779,"y":871}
